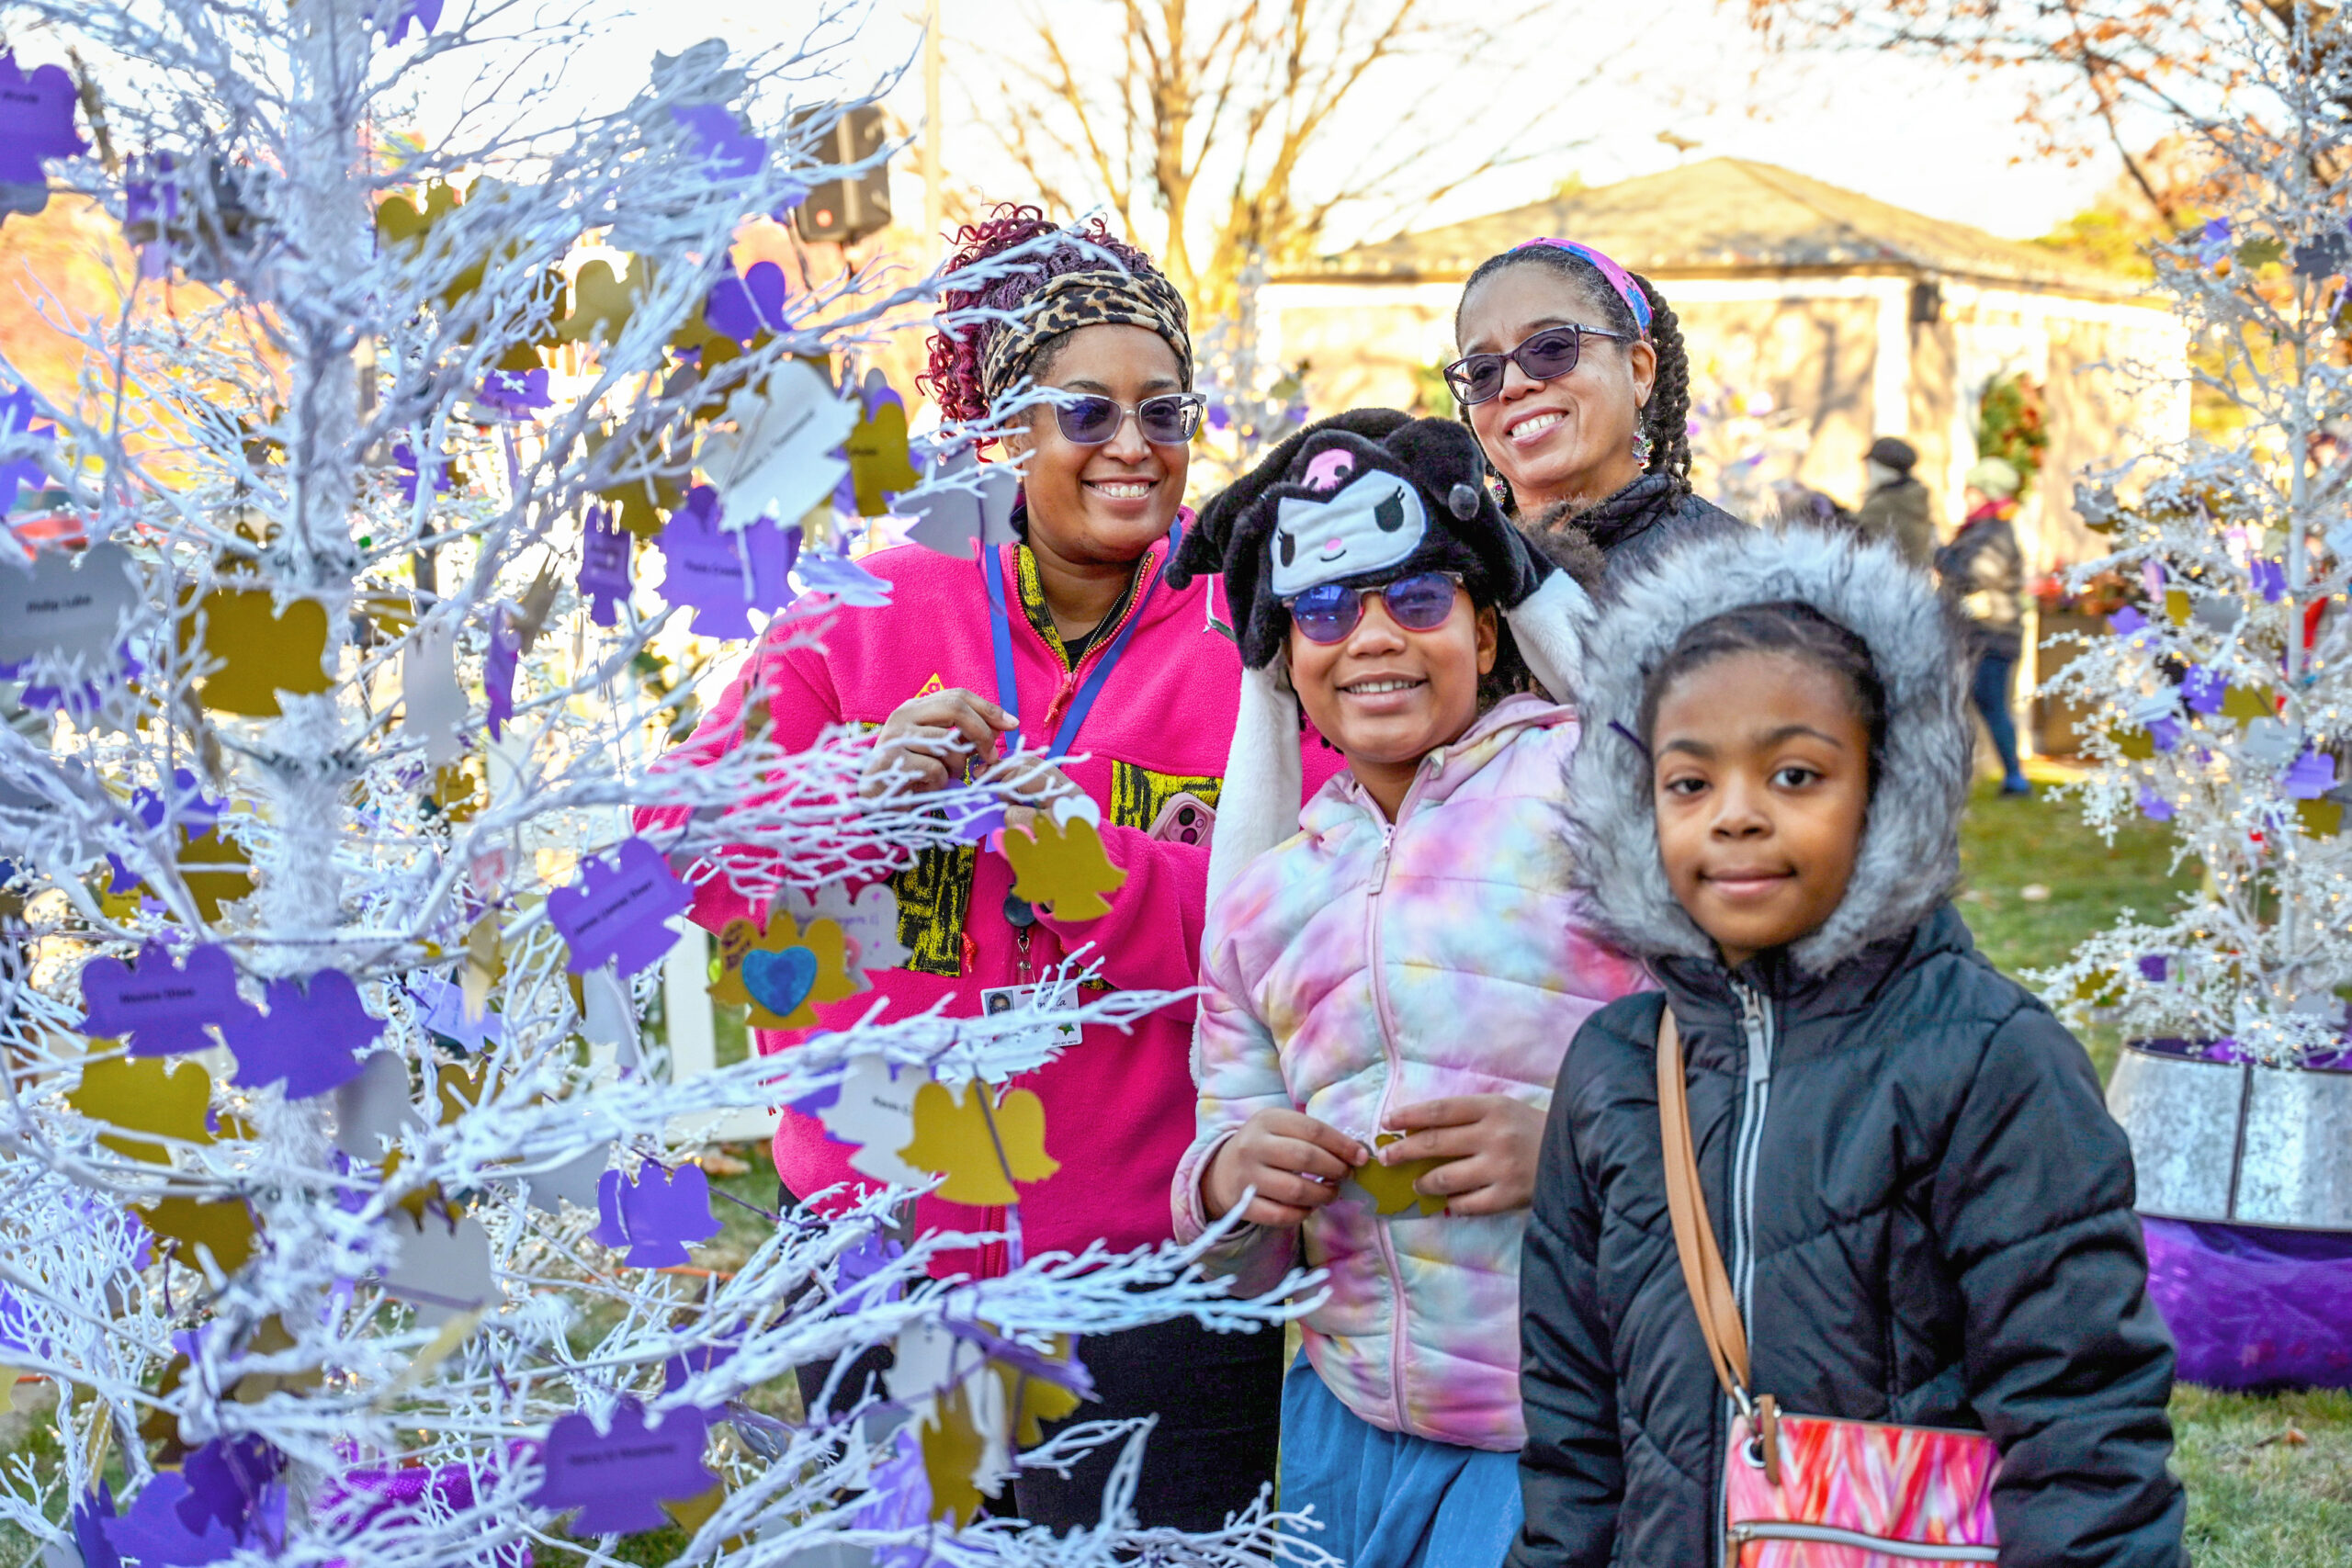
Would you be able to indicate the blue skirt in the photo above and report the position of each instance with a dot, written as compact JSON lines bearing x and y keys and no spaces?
{"x":1385,"y":1500}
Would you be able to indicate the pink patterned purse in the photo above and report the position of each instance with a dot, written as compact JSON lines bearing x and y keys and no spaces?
{"x":1810,"y":1491}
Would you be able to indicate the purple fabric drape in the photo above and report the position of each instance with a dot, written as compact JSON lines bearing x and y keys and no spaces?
{"x":2252,"y":1307}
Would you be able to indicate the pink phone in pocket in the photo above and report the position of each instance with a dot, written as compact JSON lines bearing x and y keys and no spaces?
{"x":1185,"y":819}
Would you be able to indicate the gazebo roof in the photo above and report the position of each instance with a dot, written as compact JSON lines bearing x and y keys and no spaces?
{"x":1729,"y":217}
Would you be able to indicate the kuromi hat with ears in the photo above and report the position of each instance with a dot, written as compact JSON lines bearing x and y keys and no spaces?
{"x":1364,"y":498}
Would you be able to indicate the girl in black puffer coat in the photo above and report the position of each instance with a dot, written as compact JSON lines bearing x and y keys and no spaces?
{"x":1923,"y":1205}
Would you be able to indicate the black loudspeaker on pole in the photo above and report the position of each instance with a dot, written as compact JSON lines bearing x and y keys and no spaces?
{"x":845,"y":211}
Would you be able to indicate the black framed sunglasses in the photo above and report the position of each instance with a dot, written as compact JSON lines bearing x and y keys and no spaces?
{"x":1551,"y":353}
{"x":1327,"y":612}
{"x":1170,"y":420}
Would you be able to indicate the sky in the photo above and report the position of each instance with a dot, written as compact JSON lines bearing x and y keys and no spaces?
{"x":1921,"y":135}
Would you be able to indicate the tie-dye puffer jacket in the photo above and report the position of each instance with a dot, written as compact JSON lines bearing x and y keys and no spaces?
{"x":1360,"y":967}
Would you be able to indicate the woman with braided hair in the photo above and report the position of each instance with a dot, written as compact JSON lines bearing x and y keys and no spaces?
{"x":1067,"y":640}
{"x":1573,"y":377}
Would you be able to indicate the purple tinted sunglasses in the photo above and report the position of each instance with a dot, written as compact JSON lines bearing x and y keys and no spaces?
{"x":1546,"y":355}
{"x":1089,"y":420}
{"x":1327,"y":612}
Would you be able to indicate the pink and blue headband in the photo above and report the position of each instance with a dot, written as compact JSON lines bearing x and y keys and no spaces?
{"x":1619,"y":278}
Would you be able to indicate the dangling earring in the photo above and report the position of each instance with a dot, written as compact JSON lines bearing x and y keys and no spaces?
{"x":1642,"y":446}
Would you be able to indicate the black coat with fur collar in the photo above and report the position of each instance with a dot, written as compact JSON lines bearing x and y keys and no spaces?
{"x":1913,"y":1178}
{"x":1634,"y":526}
{"x":1942,"y":1235}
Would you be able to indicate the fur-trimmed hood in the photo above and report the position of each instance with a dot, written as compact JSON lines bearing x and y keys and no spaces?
{"x":1910,"y":855}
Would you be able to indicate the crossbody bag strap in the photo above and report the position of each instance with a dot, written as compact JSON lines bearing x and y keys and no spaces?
{"x":1694,"y":1236}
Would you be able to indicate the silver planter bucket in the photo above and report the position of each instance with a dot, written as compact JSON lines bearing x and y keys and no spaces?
{"x":2237,"y":1141}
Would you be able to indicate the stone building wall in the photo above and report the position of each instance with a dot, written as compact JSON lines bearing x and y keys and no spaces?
{"x":1813,"y":357}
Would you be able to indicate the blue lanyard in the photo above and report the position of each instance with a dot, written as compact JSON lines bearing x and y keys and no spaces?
{"x":1008,"y":695}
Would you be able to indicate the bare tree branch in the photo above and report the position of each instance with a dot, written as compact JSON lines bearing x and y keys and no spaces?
{"x":1248,"y":98}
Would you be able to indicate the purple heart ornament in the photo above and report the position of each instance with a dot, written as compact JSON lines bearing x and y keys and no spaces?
{"x":404,"y":460}
{"x":231,"y":1483}
{"x":521,"y":393}
{"x":745,"y":307}
{"x":2310,"y":776}
{"x":187,"y":805}
{"x":17,"y":416}
{"x":155,"y":1532}
{"x":729,"y":153}
{"x":93,"y":1512}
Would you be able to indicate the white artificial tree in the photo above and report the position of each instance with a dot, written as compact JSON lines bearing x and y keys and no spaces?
{"x":1252,"y":404}
{"x":337,"y":769}
{"x":2223,"y":706}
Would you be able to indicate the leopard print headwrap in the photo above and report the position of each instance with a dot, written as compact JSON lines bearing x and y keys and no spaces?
{"x":1087,"y":299}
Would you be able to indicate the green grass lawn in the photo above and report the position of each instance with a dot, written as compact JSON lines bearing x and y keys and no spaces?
{"x":2270,"y":1480}
{"x":2039,"y":882}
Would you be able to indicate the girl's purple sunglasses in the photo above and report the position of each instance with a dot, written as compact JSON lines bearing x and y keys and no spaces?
{"x":1327,"y":612}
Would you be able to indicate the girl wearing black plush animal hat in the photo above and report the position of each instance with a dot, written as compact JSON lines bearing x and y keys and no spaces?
{"x":1329,"y":505}
{"x":1387,"y":992}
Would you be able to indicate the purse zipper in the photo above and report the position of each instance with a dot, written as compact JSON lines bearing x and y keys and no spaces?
{"x":1748,"y":1530}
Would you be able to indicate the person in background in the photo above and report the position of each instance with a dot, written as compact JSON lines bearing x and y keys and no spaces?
{"x":1573,"y":379}
{"x":1897,"y":507}
{"x":1984,"y":570}
{"x":1071,"y":634}
{"x":1923,"y":1208}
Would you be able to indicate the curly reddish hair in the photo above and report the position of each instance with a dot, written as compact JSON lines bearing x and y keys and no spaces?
{"x":954,"y":377}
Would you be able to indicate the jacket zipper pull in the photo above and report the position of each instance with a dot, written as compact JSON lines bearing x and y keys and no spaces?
{"x":1061,"y":700}
{"x":1760,"y":1044}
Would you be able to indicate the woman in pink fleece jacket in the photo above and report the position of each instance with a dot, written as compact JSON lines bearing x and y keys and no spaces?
{"x":1083,"y":590}
{"x":1390,"y":993}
